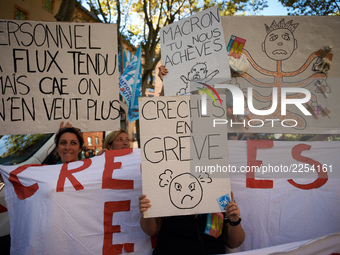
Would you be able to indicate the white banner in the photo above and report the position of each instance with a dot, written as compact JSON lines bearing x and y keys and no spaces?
{"x":276,"y":208}
{"x":286,"y":200}
{"x":84,"y":207}
{"x":52,"y":71}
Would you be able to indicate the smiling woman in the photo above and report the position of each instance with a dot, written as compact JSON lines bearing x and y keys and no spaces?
{"x":69,"y":143}
{"x":117,"y":140}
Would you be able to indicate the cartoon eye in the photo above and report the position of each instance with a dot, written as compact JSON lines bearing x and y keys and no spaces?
{"x":273,"y":37}
{"x":286,"y":37}
{"x":178,"y":186}
{"x":191,"y":186}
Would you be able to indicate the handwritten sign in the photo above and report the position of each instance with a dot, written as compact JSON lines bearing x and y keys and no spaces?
{"x":57,"y":71}
{"x":282,"y":57}
{"x":178,"y":144}
{"x":193,"y":50}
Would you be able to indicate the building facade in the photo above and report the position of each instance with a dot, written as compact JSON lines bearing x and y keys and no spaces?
{"x":41,"y":10}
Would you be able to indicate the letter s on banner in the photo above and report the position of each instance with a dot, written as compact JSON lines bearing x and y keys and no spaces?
{"x":322,"y":176}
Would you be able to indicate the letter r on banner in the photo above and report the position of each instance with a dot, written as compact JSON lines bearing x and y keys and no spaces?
{"x":66,"y":173}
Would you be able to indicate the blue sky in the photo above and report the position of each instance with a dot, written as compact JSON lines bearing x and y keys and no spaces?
{"x":274,"y":8}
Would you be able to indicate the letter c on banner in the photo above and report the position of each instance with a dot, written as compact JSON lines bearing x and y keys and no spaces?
{"x":22,"y":191}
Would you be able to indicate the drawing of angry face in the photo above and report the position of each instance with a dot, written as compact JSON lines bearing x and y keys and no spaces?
{"x":185,"y":191}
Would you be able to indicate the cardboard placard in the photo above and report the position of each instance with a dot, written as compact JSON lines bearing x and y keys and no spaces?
{"x":178,"y":144}
{"x":287,"y":53}
{"x":53,"y":71}
{"x":194,"y":50}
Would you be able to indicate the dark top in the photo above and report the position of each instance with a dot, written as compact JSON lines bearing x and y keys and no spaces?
{"x":185,"y":235}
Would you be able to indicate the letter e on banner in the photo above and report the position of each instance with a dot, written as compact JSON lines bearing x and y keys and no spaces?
{"x":110,"y":166}
{"x":252,"y":146}
{"x":109,"y":209}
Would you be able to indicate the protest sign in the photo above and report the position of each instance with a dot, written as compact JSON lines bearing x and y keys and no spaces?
{"x":289,"y":73}
{"x":58,"y":71}
{"x":193,"y":50}
{"x":87,"y":207}
{"x":176,"y":139}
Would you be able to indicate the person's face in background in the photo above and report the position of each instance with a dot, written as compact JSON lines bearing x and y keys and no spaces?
{"x":248,"y":136}
{"x":68,"y":147}
{"x":232,"y":136}
{"x":122,"y":141}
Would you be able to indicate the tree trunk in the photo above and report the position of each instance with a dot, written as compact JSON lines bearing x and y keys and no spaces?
{"x":66,"y":10}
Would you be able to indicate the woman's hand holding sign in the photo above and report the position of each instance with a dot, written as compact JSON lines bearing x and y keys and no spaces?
{"x":232,"y":211}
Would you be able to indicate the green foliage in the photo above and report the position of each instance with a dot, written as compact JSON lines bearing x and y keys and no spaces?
{"x":312,"y":7}
{"x":19,"y":143}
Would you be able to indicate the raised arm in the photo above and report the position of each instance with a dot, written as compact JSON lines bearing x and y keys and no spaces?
{"x":234,"y":235}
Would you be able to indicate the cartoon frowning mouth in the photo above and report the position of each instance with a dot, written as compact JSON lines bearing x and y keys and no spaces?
{"x":196,"y":77}
{"x":186,"y":196}
{"x":279,"y":52}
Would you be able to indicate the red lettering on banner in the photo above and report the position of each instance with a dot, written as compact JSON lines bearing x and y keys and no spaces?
{"x":66,"y":173}
{"x":153,"y":241}
{"x":109,"y":209}
{"x":2,"y":209}
{"x":22,"y":191}
{"x":129,"y":247}
{"x":252,"y":146}
{"x":322,"y":176}
{"x":108,"y":182}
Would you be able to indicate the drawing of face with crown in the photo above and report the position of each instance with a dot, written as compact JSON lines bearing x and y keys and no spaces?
{"x":280,"y":43}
